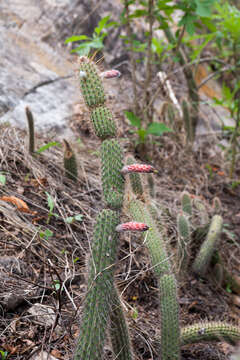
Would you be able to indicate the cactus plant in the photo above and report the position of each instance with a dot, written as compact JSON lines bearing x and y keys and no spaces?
{"x":206,"y":251}
{"x":112,"y":179}
{"x":118,"y":329}
{"x":135,"y":179}
{"x":186,"y":203}
{"x":70,"y":163}
{"x":210,"y":331}
{"x":100,"y":286}
{"x":169,"y":308}
{"x":103,"y":122}
{"x":91,"y":83}
{"x":184,"y":240}
{"x":31,"y":136}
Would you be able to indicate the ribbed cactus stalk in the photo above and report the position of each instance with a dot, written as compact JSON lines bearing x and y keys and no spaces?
{"x":103,"y":122}
{"x":210,"y":331}
{"x":153,"y":238}
{"x":169,"y":308}
{"x":120,"y":338}
{"x":135,"y":179}
{"x":91,"y":83}
{"x":217,"y":206}
{"x":70,"y":162}
{"x":31,"y":136}
{"x":112,"y":179}
{"x":100,"y":286}
{"x":186,"y":203}
{"x":151,"y":185}
{"x":183,"y":227}
{"x":202,"y":211}
{"x":206,"y":251}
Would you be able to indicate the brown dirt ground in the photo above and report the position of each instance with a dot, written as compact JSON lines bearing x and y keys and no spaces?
{"x":61,"y":258}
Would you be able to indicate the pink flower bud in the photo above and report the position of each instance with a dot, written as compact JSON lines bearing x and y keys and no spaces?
{"x":132,"y":226}
{"x":110,"y":74}
{"x":138,"y":168}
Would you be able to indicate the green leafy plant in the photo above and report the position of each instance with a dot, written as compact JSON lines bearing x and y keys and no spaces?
{"x":154,"y":128}
{"x":72,"y":219}
{"x":3,"y":354}
{"x":46,"y":234}
{"x":95,"y":42}
{"x":51,"y":205}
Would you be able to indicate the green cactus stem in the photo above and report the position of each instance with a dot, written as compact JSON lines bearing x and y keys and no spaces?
{"x":70,"y":162}
{"x":169,"y":308}
{"x":210,"y":331}
{"x":202,"y":211}
{"x":184,"y":240}
{"x":186,"y":203}
{"x":112,"y":179}
{"x":91,"y":83}
{"x":119,"y":334}
{"x":217,"y":206}
{"x":153,"y":238}
{"x":31,"y":137}
{"x":100,"y":286}
{"x":135,"y":178}
{"x":208,"y":247}
{"x":103,"y":122}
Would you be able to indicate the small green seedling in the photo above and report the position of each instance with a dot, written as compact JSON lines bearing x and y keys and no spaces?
{"x":72,"y":219}
{"x":48,"y":146}
{"x":3,"y":355}
{"x":46,"y":234}
{"x":51,"y":205}
{"x":2,"y":179}
{"x":56,"y":285}
{"x":154,"y":128}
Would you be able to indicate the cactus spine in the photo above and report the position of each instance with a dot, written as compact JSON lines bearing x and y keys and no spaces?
{"x":206,"y":251}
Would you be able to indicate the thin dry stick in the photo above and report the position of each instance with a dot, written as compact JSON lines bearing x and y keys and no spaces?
{"x":132,"y":60}
{"x":148,"y":77}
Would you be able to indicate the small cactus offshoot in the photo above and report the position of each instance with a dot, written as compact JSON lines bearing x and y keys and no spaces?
{"x":30,"y":121}
{"x":138,"y":168}
{"x":70,"y":163}
{"x":132,"y":226}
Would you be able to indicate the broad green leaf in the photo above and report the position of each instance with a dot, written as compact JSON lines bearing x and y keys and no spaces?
{"x":76,"y":38}
{"x":47,"y":146}
{"x":134,"y":120}
{"x":2,"y":179}
{"x":142,"y":134}
{"x":101,"y":24}
{"x":204,"y":7}
{"x":157,"y":129}
{"x":138,"y":13}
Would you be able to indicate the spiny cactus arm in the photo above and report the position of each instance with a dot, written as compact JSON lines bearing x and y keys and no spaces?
{"x":119,"y":334}
{"x":206,"y":251}
{"x":169,"y":309}
{"x":186,"y":203}
{"x":153,"y":238}
{"x":210,"y":331}
{"x":90,"y":83}
{"x":112,"y":179}
{"x":135,"y":179}
{"x":100,"y":284}
{"x":183,"y":227}
{"x":30,"y":121}
{"x":70,"y":163}
{"x":103,"y":122}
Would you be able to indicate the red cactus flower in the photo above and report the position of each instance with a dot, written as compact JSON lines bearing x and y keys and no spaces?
{"x":110,"y":74}
{"x":132,"y":226}
{"x":138,"y":168}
